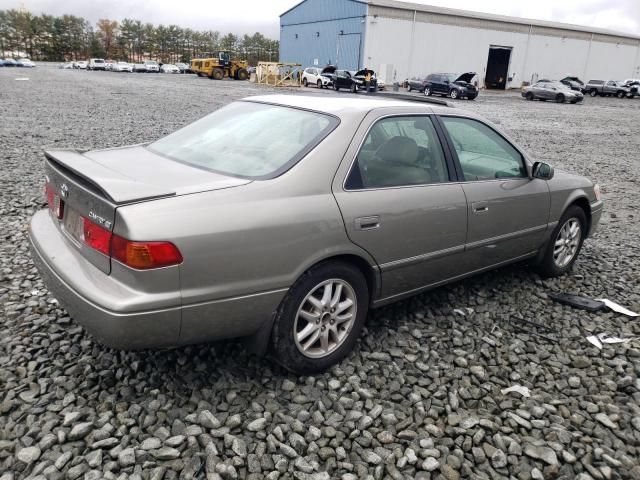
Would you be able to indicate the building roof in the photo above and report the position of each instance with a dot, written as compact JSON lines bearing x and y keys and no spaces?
{"x":420,"y":7}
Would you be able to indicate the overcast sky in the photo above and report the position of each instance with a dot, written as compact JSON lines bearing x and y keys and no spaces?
{"x":248,"y":16}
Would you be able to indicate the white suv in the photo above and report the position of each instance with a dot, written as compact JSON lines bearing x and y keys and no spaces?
{"x":314,"y":76}
{"x":96,"y":64}
{"x":151,"y":66}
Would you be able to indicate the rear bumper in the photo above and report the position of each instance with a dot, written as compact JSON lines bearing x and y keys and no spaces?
{"x":152,"y":328}
{"x":122,"y":317}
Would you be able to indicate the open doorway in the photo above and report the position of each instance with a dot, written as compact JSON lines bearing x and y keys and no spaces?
{"x":497,"y":67}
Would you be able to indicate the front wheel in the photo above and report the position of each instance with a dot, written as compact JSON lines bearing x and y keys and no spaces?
{"x":354,"y":88}
{"x":305,"y":83}
{"x":453,"y":93}
{"x":565,"y":243}
{"x":320,"y":319}
{"x":427,"y":91}
{"x":560,"y":98}
{"x":319,"y":84}
{"x":336,"y":87}
{"x":529,"y":96}
{"x":620,"y":94}
{"x":409,"y":88}
{"x":217,"y":74}
{"x":593,"y":93}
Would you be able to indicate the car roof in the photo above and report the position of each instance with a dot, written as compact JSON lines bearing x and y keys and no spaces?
{"x":348,"y":107}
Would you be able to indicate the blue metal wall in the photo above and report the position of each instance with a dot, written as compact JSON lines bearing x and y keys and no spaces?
{"x":329,"y":31}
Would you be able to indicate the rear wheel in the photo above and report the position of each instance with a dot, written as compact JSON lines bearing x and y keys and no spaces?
{"x":427,"y":91}
{"x":305,"y":83}
{"x":319,"y":84}
{"x":560,"y":98}
{"x":409,"y":88}
{"x":354,"y":88}
{"x":453,"y":93}
{"x":593,"y":93}
{"x":320,"y":319}
{"x":217,"y":74}
{"x":336,"y":87}
{"x":620,"y":94}
{"x":565,"y":243}
{"x":529,"y":96}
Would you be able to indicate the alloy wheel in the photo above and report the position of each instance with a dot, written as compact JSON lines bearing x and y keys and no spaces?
{"x":325,"y":318}
{"x":567,"y":242}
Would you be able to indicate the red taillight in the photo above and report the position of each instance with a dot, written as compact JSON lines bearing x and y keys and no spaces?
{"x":139,"y":255}
{"x":144,"y":255}
{"x":56,"y":204}
{"x":95,"y":236}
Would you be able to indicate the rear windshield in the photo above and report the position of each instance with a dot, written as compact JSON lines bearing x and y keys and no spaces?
{"x":247,"y":139}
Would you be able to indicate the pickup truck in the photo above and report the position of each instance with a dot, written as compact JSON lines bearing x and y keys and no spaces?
{"x":607,"y":88}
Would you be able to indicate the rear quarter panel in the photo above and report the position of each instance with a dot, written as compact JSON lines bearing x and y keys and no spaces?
{"x":252,"y":239}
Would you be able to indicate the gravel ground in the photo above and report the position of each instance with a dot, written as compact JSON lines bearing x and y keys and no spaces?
{"x":421,"y":395}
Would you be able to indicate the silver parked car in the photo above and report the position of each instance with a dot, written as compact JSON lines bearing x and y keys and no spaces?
{"x":552,"y":90}
{"x":285,"y":218}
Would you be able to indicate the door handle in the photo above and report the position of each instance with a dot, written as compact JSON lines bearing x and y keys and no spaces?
{"x":367,"y":223}
{"x":480,"y":207}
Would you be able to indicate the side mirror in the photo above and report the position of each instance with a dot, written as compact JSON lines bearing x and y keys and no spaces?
{"x":542,"y":170}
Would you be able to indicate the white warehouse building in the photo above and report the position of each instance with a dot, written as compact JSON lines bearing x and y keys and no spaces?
{"x":401,"y":40}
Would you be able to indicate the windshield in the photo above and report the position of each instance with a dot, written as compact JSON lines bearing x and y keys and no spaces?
{"x":246,"y":139}
{"x":98,"y":60}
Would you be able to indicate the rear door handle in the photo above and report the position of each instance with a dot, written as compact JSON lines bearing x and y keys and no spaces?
{"x":480,"y":207}
{"x":367,"y":223}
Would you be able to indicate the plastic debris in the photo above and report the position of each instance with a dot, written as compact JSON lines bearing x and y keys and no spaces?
{"x":524,"y":391}
{"x":617,"y":308}
{"x":577,"y":301}
{"x":598,"y":340}
{"x":22,"y":78}
{"x":463,"y":311}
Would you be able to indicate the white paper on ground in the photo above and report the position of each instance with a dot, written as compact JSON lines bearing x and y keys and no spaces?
{"x":22,"y":78}
{"x":617,"y":308}
{"x":463,"y":311}
{"x":524,"y":391}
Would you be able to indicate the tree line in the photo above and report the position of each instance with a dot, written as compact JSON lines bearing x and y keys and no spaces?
{"x":68,"y":37}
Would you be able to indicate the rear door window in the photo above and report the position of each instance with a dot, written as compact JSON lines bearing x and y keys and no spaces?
{"x":482,"y":152}
{"x":399,"y":151}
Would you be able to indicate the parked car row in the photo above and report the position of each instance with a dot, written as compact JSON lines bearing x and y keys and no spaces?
{"x":330,"y":77}
{"x":21,"y":62}
{"x":148,"y":66}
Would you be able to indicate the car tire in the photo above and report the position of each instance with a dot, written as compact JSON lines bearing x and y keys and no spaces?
{"x":305,"y":83}
{"x":354,"y":88}
{"x":529,"y":96}
{"x":593,"y":93}
{"x":560,"y":98}
{"x":620,"y":94}
{"x":302,"y":354}
{"x":242,"y":74}
{"x":319,"y":84}
{"x":453,"y":94}
{"x":336,"y":87}
{"x":409,"y":88}
{"x":555,"y":261}
{"x":427,"y":91}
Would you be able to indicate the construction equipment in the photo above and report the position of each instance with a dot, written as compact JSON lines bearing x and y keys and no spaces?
{"x":220,"y":66}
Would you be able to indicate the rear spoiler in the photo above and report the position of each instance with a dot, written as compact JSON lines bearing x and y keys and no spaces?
{"x":110,"y":184}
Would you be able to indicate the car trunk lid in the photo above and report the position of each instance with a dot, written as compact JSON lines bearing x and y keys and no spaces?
{"x":90,"y":186}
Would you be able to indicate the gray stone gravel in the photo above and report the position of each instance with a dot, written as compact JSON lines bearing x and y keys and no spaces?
{"x":418,"y":398}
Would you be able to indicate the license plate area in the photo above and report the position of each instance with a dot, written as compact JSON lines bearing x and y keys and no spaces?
{"x":73,"y":225}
